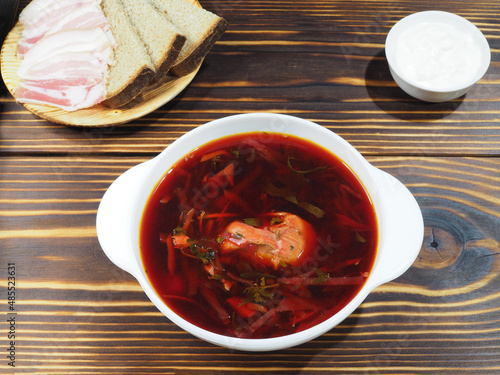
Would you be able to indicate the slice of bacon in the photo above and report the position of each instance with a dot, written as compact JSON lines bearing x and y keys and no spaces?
{"x":40,"y":16}
{"x":87,"y":16}
{"x":67,"y":97}
{"x":43,"y":9}
{"x":82,"y":66}
{"x":92,"y":41}
{"x":66,"y":69}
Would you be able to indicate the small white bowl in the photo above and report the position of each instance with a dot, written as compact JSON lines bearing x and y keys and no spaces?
{"x":399,"y":217}
{"x":436,"y":66}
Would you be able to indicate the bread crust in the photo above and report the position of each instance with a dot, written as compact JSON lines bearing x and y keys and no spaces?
{"x":131,"y":90}
{"x":173,"y":53}
{"x":191,"y":62}
{"x":155,"y":66}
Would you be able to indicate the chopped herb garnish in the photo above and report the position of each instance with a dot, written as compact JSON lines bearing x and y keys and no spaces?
{"x":274,"y":191}
{"x":302,"y":172}
{"x":219,"y":276}
{"x":253,"y":222}
{"x":261,"y":292}
{"x":360,"y":238}
{"x":276,"y":220}
{"x":178,"y":231}
{"x":322,"y":277}
{"x":255,"y":275}
{"x":235,"y":153}
{"x":237,"y":236}
{"x":288,"y":195}
{"x":205,"y":256}
{"x":316,"y":211}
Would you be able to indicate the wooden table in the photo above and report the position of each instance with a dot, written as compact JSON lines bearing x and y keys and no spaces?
{"x":324,"y":61}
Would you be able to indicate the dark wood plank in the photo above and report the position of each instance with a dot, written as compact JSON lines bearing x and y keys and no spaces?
{"x":322,"y":61}
{"x":78,"y":313}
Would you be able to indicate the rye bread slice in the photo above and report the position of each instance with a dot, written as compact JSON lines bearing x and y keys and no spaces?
{"x":201,"y":28}
{"x":162,"y":39}
{"x":131,"y":68}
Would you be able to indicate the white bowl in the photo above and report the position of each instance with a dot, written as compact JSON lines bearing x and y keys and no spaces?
{"x":436,"y":66}
{"x":398,"y":214}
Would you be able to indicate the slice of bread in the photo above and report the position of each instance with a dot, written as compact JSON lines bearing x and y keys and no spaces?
{"x":131,"y":68}
{"x":200,"y":27}
{"x":162,"y":39}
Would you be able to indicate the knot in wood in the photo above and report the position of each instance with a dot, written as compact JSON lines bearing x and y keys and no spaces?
{"x":440,"y":249}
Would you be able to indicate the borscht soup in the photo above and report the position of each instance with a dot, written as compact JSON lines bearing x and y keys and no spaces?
{"x":258,"y":235}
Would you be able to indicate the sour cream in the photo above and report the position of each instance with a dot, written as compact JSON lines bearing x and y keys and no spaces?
{"x":437,"y":55}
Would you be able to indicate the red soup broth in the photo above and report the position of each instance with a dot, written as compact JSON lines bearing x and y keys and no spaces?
{"x":258,"y":235}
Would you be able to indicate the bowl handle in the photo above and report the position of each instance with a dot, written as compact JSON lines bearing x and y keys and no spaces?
{"x":114,"y":223}
{"x":402,"y":229}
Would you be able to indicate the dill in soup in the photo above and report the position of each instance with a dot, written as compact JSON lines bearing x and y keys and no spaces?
{"x":258,"y":235}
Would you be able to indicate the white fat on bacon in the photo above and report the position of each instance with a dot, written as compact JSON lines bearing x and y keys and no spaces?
{"x":69,"y":98}
{"x":37,"y":9}
{"x":41,"y":15}
{"x":67,"y":66}
{"x":92,"y":41}
{"x":88,"y":16}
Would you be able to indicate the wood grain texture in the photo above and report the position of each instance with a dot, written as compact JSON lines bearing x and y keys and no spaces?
{"x":77,"y":313}
{"x":323,"y":61}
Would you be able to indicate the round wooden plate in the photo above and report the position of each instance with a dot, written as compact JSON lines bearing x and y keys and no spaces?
{"x":153,"y":97}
